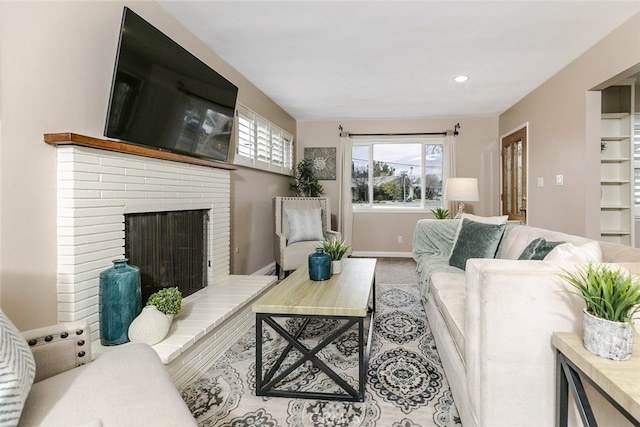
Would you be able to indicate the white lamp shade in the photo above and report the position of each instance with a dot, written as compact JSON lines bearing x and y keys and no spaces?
{"x":462,"y":190}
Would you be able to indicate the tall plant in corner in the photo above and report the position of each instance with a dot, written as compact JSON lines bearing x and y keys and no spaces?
{"x":305,"y":182}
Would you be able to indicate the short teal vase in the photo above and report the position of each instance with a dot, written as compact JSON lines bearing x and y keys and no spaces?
{"x":120,"y":301}
{"x":319,"y":265}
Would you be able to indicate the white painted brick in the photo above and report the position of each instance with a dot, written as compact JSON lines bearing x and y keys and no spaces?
{"x":97,"y":187}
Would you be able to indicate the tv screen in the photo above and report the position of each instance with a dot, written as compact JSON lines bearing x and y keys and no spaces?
{"x":164,"y":97}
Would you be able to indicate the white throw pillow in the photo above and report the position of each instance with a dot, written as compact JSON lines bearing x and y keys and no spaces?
{"x":584,"y":254}
{"x":17,"y":371}
{"x":304,"y":224}
{"x":497,"y":220}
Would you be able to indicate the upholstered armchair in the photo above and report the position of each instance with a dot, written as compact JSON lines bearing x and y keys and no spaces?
{"x":301,"y":224}
{"x":48,"y":378}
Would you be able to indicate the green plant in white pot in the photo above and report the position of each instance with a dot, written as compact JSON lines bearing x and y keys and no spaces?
{"x":153,"y":324}
{"x":336,"y":249}
{"x":612,"y":298}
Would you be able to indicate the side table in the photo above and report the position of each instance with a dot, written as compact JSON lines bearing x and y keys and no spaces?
{"x":617,"y":381}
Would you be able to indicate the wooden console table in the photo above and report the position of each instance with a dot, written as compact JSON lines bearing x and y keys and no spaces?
{"x":617,"y":381}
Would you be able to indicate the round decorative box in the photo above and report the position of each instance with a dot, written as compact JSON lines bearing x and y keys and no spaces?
{"x":151,"y":326}
{"x":319,"y":265}
{"x":120,"y":301}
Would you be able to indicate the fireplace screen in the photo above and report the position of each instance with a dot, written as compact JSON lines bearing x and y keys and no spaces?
{"x":170,"y":248}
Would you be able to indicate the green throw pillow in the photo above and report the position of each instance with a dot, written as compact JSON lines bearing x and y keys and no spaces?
{"x":476,"y":240}
{"x":538,"y":249}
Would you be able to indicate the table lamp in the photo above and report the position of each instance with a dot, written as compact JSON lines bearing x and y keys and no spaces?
{"x":461,"y":190}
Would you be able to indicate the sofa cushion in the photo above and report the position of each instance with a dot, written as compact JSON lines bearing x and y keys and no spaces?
{"x":538,"y":249}
{"x":483,"y":219}
{"x":448,"y":291}
{"x":304,"y":225}
{"x":517,"y":239}
{"x":475,"y":240}
{"x":17,"y":371}
{"x":126,"y":386}
{"x":581,"y":254}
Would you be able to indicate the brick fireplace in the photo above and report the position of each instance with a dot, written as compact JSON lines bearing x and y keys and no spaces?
{"x":96,"y":188}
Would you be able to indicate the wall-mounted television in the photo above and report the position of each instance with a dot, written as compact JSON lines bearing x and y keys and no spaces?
{"x":164,"y":97}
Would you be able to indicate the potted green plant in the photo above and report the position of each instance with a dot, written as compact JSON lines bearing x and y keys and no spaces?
{"x":336,"y":249}
{"x":612,"y":298}
{"x":167,"y":300}
{"x":153,"y":324}
{"x":305,"y":182}
{"x":440,"y":213}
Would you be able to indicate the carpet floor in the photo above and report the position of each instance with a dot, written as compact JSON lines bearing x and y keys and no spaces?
{"x":406,"y":386}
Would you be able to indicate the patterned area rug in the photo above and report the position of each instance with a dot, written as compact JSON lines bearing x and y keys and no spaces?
{"x":406,"y":386}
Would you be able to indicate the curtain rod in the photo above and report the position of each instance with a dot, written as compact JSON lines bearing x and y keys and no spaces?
{"x":444,"y":133}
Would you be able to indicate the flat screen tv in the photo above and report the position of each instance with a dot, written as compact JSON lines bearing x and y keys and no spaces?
{"x":164,"y":97}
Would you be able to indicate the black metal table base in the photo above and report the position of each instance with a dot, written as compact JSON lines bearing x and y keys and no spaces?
{"x":568,"y":378}
{"x":266,"y":382}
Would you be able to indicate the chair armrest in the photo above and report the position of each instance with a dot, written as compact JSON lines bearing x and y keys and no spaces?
{"x":279,"y":243}
{"x":330,"y":234}
{"x":59,"y":348}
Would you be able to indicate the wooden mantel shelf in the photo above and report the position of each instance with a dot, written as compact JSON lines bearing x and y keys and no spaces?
{"x":68,"y":138}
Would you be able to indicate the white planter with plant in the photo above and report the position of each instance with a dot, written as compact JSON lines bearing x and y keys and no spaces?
{"x":612,"y":296}
{"x":153,"y":324}
{"x":336,"y":249}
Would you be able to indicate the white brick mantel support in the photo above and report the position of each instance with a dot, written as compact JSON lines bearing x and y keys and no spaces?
{"x":96,"y":188}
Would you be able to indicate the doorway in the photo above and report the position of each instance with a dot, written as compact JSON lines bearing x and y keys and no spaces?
{"x":514,"y":175}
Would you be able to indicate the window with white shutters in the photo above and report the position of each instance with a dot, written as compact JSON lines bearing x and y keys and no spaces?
{"x":261,"y":144}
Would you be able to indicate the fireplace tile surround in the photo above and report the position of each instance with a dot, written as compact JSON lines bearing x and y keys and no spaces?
{"x":96,"y":187}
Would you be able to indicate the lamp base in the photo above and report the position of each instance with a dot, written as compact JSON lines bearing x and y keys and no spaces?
{"x":460,"y":210}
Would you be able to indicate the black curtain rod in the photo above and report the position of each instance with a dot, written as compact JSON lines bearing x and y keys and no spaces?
{"x":455,"y":132}
{"x":398,"y":134}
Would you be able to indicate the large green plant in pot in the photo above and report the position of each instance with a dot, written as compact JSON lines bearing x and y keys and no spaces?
{"x":305,"y":182}
{"x":612,"y":298}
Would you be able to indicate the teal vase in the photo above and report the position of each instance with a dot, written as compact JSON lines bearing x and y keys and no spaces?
{"x":120,"y":301}
{"x":319,"y":265}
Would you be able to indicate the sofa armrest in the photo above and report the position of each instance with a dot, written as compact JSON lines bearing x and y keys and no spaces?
{"x":511,"y":310}
{"x":59,"y":348}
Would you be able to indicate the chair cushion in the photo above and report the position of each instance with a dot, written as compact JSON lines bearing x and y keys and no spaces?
{"x":304,"y":224}
{"x":17,"y":371}
{"x":475,"y":240}
{"x":538,"y":249}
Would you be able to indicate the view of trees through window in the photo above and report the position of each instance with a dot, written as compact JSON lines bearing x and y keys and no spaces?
{"x":397,"y":174}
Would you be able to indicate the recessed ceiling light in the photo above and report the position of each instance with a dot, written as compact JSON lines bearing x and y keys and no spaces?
{"x":461,"y":79}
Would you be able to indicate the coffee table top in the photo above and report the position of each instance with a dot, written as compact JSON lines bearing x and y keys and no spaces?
{"x":344,"y":294}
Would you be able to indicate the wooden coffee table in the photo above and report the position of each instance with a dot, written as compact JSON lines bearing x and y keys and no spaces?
{"x":344,"y":296}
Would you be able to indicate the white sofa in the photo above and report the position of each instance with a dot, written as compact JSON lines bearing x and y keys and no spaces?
{"x":493,"y":323}
{"x":127,"y":386}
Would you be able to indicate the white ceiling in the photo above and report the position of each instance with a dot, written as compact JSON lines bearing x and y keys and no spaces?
{"x":397,"y":59}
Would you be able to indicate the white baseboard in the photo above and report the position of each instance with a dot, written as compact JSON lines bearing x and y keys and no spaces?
{"x":267,"y":270}
{"x":367,"y":254}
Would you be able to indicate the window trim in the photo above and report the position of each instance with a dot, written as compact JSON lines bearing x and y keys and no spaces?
{"x":260,"y":140}
{"x":423,"y":140}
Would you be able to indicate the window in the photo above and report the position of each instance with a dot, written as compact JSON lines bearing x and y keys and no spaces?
{"x":397,"y":173}
{"x":262,"y":145}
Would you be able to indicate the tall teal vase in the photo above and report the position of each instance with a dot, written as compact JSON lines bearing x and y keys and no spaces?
{"x":120,"y":301}
{"x":319,"y":265}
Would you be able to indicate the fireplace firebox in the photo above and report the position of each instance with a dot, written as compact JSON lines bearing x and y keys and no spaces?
{"x":170,"y":248}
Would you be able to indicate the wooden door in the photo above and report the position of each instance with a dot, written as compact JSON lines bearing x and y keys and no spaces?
{"x":514,"y":175}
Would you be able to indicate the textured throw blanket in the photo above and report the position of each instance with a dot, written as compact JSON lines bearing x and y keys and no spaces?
{"x":432,"y":244}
